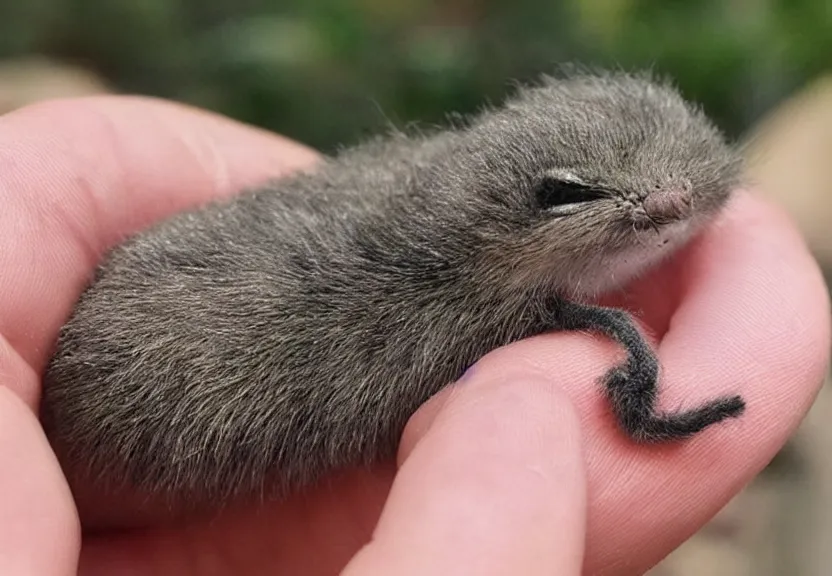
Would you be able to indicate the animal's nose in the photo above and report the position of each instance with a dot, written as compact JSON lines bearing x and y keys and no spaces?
{"x":668,"y":204}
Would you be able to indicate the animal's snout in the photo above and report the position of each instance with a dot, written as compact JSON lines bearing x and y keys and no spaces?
{"x":668,"y":204}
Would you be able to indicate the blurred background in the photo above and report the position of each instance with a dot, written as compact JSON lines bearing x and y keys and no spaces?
{"x":331,"y":72}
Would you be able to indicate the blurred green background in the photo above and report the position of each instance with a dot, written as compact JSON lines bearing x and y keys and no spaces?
{"x":328,"y":72}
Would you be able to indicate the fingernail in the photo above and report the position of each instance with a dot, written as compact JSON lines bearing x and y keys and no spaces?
{"x":467,"y":374}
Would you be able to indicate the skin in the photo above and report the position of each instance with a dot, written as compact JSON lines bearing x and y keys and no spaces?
{"x":520,"y":468}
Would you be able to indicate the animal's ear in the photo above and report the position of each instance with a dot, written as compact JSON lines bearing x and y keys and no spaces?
{"x":552,"y":192}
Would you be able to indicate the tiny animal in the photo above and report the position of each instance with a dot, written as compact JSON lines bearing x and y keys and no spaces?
{"x":259,"y":343}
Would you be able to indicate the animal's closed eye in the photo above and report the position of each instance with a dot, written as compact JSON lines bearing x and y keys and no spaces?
{"x":551,"y":192}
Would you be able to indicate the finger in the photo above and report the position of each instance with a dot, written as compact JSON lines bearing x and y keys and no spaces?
{"x":39,"y":529}
{"x":495,"y":486}
{"x":753,"y":320}
{"x":76,"y":176}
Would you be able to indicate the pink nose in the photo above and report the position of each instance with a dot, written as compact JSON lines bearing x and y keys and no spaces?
{"x":668,"y":204}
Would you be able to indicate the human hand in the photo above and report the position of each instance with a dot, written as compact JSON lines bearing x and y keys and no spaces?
{"x":519,"y":469}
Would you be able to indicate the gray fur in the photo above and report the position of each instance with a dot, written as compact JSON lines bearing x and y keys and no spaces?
{"x":259,"y":343}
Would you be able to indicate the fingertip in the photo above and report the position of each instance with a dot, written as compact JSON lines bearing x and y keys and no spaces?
{"x":753,"y":322}
{"x":758,"y":307}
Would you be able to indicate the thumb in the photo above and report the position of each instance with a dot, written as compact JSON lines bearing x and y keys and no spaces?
{"x":491,"y":481}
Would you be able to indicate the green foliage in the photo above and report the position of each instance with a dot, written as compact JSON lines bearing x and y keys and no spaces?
{"x":327,"y":72}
